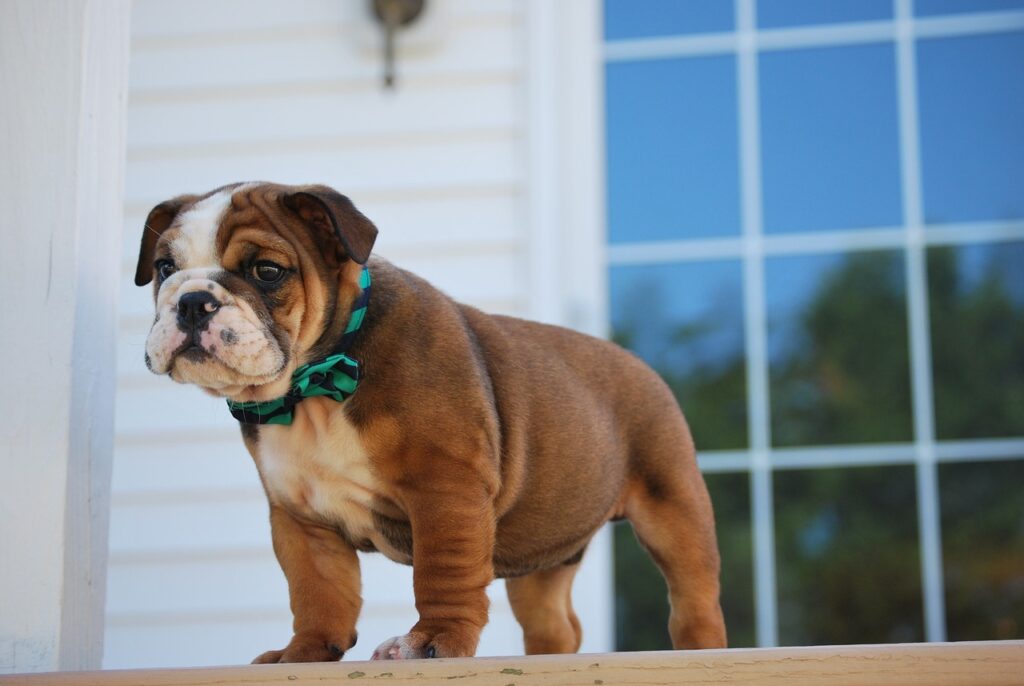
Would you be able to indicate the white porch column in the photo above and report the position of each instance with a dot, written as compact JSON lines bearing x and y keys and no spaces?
{"x":63,"y":84}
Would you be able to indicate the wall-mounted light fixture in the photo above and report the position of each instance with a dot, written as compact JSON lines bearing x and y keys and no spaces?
{"x":394,"y":15}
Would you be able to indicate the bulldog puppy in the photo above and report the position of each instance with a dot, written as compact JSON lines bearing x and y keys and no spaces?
{"x":384,"y":416}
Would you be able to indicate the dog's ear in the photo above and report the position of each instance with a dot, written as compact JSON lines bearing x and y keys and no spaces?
{"x":331,"y":215}
{"x":160,"y":217}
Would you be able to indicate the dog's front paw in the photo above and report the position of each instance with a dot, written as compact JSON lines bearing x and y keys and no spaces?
{"x":417,"y":645}
{"x":304,"y":649}
{"x":401,"y":648}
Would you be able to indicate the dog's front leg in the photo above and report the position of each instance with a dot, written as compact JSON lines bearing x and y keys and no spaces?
{"x":323,"y":584}
{"x":453,"y":527}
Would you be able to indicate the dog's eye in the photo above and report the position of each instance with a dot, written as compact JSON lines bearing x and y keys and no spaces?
{"x":165,"y":268}
{"x":267,"y":272}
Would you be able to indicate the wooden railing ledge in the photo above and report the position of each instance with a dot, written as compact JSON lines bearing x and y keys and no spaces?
{"x":995,"y":663}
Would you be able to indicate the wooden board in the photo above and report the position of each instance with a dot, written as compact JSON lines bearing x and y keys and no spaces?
{"x":935,"y":664}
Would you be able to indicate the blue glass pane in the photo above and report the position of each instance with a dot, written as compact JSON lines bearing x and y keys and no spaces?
{"x":977,"y":319}
{"x":686,"y":321}
{"x":775,"y":13}
{"x":983,"y":549}
{"x":931,"y":7}
{"x":971,"y":102}
{"x":839,"y":368}
{"x":847,"y":556}
{"x":646,"y":18}
{"x":829,"y":139}
{"x":673,"y":168}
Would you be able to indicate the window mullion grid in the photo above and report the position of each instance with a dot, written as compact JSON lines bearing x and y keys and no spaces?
{"x":755,"y":326}
{"x":815,"y":242}
{"x":919,"y":339}
{"x":814,"y":36}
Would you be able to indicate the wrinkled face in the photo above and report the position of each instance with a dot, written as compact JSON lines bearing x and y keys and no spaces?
{"x":244,"y":286}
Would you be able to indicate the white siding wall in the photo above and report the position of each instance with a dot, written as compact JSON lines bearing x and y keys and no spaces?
{"x":290,"y":91}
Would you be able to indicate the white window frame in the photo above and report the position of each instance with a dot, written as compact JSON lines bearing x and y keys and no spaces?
{"x":752,"y":247}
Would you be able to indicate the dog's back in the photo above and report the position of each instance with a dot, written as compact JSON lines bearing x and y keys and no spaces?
{"x":582,"y":422}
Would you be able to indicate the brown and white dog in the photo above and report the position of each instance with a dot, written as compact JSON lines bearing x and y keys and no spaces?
{"x":476,"y":446}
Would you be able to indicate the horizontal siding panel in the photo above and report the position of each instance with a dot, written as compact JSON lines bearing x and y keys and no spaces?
{"x":131,"y":341}
{"x":196,"y":587}
{"x":486,"y":162}
{"x":183,"y":18}
{"x":317,"y":119}
{"x":232,"y":641}
{"x":228,"y":586}
{"x":170,"y":406}
{"x":480,"y":279}
{"x":445,"y":223}
{"x":157,"y":467}
{"x":190,"y":526}
{"x":326,"y":53}
{"x":225,"y":586}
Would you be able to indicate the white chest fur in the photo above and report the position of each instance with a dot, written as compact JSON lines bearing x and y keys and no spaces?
{"x":321,"y":471}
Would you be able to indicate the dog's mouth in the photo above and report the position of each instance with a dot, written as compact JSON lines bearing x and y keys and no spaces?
{"x":191,"y":348}
{"x":190,"y":355}
{"x":231,"y":355}
{"x":192,"y":363}
{"x":193,"y":352}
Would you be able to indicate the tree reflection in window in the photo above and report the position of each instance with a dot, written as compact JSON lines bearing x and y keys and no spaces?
{"x":977,"y":321}
{"x":837,"y":339}
{"x":686,"y":321}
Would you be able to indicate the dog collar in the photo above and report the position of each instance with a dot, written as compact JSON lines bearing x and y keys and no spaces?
{"x":335,"y":376}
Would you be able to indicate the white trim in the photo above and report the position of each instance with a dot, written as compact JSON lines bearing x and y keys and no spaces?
{"x":565,"y":167}
{"x":674,"y":46}
{"x":658,"y":252}
{"x":973,"y":232}
{"x":842,"y":456}
{"x":64,"y":66}
{"x":980,"y":450}
{"x":765,"y":588}
{"x":967,"y":24}
{"x":583,"y":223}
{"x":847,"y":240}
{"x":758,"y":421}
{"x":825,"y":35}
{"x":724,"y":461}
{"x":868,"y":454}
{"x":564,"y":189}
{"x":543,"y":161}
{"x":919,"y":333}
{"x":813,"y":36}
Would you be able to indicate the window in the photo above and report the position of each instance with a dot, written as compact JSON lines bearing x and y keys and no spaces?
{"x":816,"y":236}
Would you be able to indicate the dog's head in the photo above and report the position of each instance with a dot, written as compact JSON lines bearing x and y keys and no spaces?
{"x":250,"y":280}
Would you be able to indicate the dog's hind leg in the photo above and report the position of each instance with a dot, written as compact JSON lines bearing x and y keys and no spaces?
{"x":542,"y":604}
{"x":671,"y":514}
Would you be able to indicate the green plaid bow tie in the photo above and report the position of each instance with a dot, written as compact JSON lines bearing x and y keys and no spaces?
{"x":335,"y":376}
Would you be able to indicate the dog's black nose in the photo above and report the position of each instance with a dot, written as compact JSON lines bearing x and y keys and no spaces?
{"x":195,"y":309}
